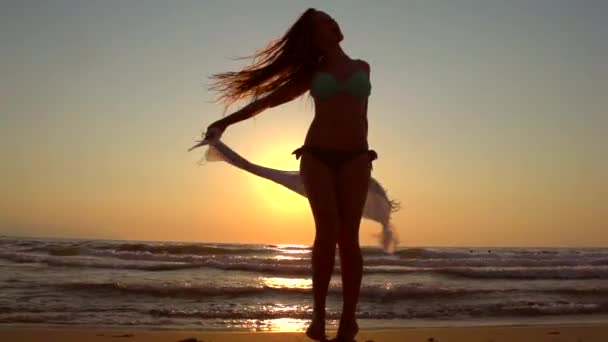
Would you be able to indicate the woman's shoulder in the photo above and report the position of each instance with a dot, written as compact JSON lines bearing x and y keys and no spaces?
{"x":363,"y":64}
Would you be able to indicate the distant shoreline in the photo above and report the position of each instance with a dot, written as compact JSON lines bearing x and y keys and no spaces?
{"x":401,"y":246}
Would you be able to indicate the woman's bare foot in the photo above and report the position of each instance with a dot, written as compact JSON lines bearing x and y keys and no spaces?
{"x":316,"y":329}
{"x":347,"y":331}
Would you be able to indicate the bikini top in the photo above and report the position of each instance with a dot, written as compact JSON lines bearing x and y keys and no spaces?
{"x":324,"y":85}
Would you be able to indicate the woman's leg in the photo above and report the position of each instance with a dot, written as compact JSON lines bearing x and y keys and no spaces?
{"x":320,"y":186}
{"x":353,"y":181}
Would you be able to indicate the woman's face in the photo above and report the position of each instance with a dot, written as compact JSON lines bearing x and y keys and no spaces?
{"x":327,"y":31}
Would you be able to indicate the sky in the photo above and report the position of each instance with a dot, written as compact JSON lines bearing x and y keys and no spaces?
{"x":489,"y":118}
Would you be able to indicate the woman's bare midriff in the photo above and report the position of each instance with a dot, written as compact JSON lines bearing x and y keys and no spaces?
{"x":339,"y":123}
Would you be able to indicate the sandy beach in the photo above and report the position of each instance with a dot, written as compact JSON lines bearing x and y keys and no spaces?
{"x":540,"y":333}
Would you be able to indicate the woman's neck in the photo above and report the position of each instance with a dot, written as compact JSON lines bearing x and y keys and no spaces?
{"x":335,"y":55}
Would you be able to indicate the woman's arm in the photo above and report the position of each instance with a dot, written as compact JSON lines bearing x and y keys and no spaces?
{"x":281,"y":95}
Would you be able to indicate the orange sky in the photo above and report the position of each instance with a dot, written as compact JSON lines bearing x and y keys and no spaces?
{"x":489,"y":120}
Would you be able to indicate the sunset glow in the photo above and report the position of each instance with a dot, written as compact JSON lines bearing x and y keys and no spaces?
{"x":489,"y":121}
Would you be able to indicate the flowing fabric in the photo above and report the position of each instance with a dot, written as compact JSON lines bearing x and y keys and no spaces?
{"x":378,"y":207}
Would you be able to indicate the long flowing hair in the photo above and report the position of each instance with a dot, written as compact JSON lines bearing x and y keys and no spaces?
{"x":289,"y":60}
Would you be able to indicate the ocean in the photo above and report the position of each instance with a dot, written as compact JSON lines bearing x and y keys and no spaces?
{"x":253,"y":287}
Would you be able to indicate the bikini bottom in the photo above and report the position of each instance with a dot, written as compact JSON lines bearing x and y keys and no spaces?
{"x":333,"y":158}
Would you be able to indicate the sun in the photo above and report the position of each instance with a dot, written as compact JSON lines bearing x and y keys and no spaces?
{"x":273,"y":196}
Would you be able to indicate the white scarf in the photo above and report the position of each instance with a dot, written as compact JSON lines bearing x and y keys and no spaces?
{"x":378,"y":207}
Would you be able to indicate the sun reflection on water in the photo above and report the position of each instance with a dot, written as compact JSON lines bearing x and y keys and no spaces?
{"x":275,"y":307}
{"x":276,"y":325}
{"x":286,"y":257}
{"x":280,"y":283}
{"x":293,"y":249}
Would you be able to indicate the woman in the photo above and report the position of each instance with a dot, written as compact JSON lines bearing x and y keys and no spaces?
{"x":335,"y":162}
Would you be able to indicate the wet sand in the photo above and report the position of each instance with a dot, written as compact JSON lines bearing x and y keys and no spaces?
{"x":597,"y":332}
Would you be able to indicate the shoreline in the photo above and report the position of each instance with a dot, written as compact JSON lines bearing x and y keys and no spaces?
{"x":364,"y":324}
{"x":575,"y":332}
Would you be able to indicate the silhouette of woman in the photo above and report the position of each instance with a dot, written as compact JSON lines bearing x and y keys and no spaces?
{"x":335,"y":162}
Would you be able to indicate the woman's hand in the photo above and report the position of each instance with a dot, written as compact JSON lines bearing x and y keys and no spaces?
{"x":215,"y":131}
{"x":213,"y":134}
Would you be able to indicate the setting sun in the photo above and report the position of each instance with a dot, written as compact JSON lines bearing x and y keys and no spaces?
{"x":275,"y":197}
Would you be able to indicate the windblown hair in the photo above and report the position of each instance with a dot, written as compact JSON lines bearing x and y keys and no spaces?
{"x":288,"y":60}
